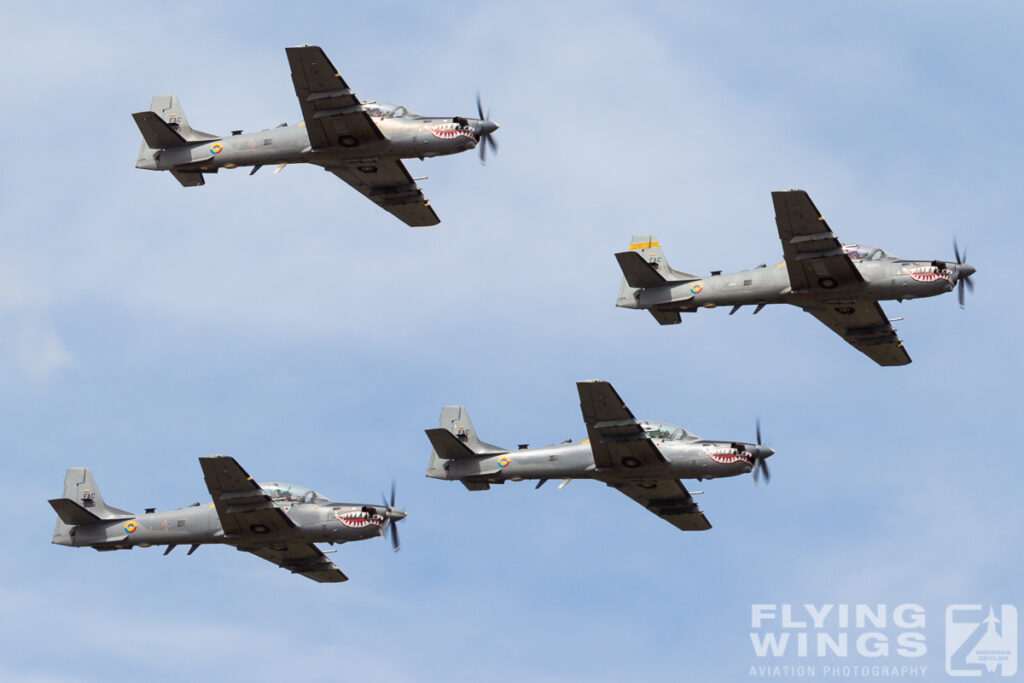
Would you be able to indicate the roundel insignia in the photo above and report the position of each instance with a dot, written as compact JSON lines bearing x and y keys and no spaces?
{"x":216,"y":149}
{"x":504,"y":461}
{"x":696,"y":288}
{"x":131,"y":526}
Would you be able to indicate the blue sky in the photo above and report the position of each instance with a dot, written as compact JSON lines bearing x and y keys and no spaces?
{"x":286,"y":321}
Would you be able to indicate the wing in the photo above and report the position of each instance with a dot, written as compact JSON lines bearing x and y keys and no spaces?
{"x":245,"y":511}
{"x":299,"y":558}
{"x":332,"y":112}
{"x":865,"y":326}
{"x":668,"y":499}
{"x":335,"y":117}
{"x":387,"y":183}
{"x":616,"y":438}
{"x":814,"y":257}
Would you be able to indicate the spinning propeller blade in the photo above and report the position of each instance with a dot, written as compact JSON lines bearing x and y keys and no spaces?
{"x":485,"y":136}
{"x":963,"y":274}
{"x":391,"y":516}
{"x":759,"y":457}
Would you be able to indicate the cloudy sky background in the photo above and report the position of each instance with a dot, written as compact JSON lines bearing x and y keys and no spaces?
{"x":287,"y":321}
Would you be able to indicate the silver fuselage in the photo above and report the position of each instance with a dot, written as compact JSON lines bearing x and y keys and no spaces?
{"x":199,"y":524}
{"x":684,"y":459}
{"x":887,"y":279}
{"x":405,"y":138}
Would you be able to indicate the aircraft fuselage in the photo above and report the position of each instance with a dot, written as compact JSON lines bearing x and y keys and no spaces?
{"x":897,"y":279}
{"x":200,"y":524}
{"x":691,"y":459}
{"x":404,"y":138}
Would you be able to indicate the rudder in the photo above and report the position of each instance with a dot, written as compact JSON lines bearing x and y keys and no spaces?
{"x":645,"y":265}
{"x":649,"y":248}
{"x":168,"y":108}
{"x":465,"y":444}
{"x":81,"y":489}
{"x":81,"y":503}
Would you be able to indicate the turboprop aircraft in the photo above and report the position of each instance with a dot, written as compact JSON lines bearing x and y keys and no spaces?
{"x":644,"y":460}
{"x":278,"y":522}
{"x":839,"y":284}
{"x":362,"y":142}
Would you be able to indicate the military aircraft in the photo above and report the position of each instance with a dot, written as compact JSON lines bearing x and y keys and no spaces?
{"x":278,"y":522}
{"x":643,"y":460}
{"x":839,"y":284}
{"x":362,"y":142}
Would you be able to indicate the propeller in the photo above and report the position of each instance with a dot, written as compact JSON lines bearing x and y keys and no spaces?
{"x":487,"y":128}
{"x":760,"y":455}
{"x":391,"y":515}
{"x":963,"y":274}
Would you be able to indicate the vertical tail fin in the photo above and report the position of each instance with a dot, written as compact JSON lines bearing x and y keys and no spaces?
{"x":164,"y":127}
{"x":455,"y":422}
{"x":649,"y":249}
{"x":645,"y":265}
{"x":168,"y":108}
{"x":81,"y":503}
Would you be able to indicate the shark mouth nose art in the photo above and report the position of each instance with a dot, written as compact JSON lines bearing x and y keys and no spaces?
{"x":357,"y":519}
{"x":929,"y":274}
{"x":728,"y":456}
{"x":450,"y":131}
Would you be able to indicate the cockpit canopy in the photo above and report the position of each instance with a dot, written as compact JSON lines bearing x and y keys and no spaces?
{"x":386,"y":110}
{"x":663,"y":431}
{"x":292,"y":494}
{"x":862,"y":252}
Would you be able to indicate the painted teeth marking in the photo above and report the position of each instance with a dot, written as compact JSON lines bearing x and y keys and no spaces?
{"x":357,"y":519}
{"x":927,"y":274}
{"x":728,"y":456}
{"x":450,"y":131}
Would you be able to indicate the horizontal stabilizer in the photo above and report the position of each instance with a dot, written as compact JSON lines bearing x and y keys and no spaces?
{"x":72,"y":513}
{"x":448,"y":445}
{"x":156,"y":132}
{"x":637,"y":271}
{"x":666,"y":317}
{"x":188,"y":178}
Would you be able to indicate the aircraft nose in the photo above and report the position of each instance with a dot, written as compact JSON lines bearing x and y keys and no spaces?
{"x":487,"y":127}
{"x":966,"y":270}
{"x":396,"y":514}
